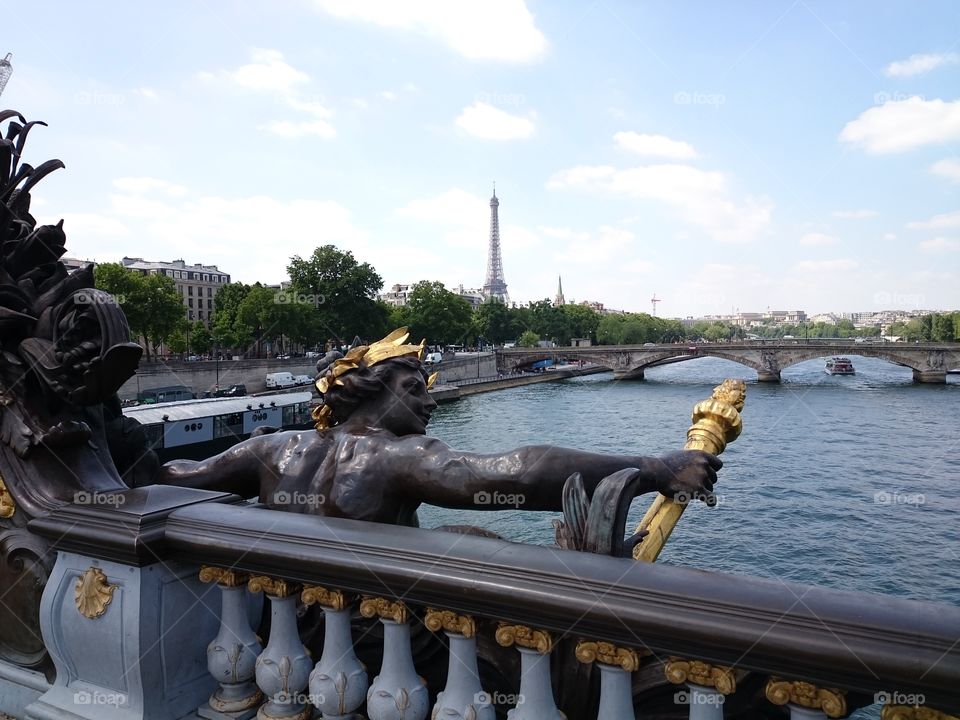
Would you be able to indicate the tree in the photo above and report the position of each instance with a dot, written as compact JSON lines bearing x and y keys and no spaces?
{"x":163,"y":307}
{"x":201,"y":340}
{"x":442,"y":317}
{"x":343,"y":291}
{"x":125,"y":285}
{"x":494,"y":322}
{"x":528,"y":338}
{"x":177,"y":342}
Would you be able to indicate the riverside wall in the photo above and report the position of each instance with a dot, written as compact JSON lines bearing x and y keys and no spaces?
{"x":203,"y":376}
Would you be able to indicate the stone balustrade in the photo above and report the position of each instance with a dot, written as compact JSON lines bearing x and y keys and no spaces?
{"x":562,"y":623}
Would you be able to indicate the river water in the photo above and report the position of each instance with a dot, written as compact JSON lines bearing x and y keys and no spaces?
{"x":849,"y":482}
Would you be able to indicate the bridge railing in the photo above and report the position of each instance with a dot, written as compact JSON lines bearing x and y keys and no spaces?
{"x":532,"y":629}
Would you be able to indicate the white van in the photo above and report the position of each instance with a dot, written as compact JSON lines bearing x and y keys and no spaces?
{"x":280,"y":380}
{"x":432,"y":358}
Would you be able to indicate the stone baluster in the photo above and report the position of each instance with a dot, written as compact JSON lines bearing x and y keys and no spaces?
{"x":283,"y":667}
{"x":338,"y":684}
{"x":707,"y":686}
{"x":232,"y":655}
{"x":463,"y":697}
{"x":397,"y":693}
{"x":616,"y":665}
{"x":535,"y":701}
{"x":805,"y":700}
{"x":912,"y":712}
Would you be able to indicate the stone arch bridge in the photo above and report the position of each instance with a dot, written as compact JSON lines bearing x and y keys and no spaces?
{"x":929,"y":362}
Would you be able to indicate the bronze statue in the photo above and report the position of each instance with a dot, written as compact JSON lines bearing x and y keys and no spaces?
{"x":369,"y":458}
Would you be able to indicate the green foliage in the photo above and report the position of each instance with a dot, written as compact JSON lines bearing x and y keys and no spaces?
{"x":528,"y":338}
{"x":440,"y":316}
{"x":494,"y":323}
{"x":177,"y":342}
{"x":201,"y":340}
{"x":343,"y":292}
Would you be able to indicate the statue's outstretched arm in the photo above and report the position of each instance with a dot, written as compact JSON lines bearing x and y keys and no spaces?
{"x":433,"y":473}
{"x":237,"y":470}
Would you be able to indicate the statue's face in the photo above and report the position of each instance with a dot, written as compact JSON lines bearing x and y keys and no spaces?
{"x":406,"y":404}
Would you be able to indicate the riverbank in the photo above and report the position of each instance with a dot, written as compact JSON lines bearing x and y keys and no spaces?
{"x":475,"y":387}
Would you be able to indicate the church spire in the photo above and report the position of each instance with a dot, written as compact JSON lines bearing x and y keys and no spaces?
{"x":559,"y":300}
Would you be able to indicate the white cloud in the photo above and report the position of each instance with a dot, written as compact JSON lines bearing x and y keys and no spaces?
{"x":252,"y":238}
{"x":600,"y":247}
{"x":949,"y":168}
{"x":904,"y":125}
{"x":388,"y":95}
{"x":939,"y":245}
{"x":827,"y":266}
{"x":918,"y":64}
{"x":937,"y":222}
{"x":485,"y":121}
{"x":817,"y":239}
{"x":141,"y":185}
{"x":889,"y":236}
{"x":854,"y":214}
{"x":270,"y":72}
{"x":502,"y":30}
{"x":148,"y":93}
{"x":656,"y":145}
{"x":297,"y":129}
{"x":700,"y":196}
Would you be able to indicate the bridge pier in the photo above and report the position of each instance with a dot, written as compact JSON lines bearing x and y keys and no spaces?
{"x":768,"y":377}
{"x":635,"y":374}
{"x":930,"y":376}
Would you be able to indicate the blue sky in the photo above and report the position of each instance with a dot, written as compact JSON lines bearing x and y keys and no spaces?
{"x":723,"y":156}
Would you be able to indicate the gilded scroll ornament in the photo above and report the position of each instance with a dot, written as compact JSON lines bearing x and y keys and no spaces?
{"x":716,"y":423}
{"x":609,"y":654}
{"x":222,"y":576}
{"x":93,"y":593}
{"x":7,"y":506}
{"x":272,"y":586}
{"x":831,"y":701}
{"x":450,"y":621}
{"x":384,"y":609}
{"x":523,"y":636}
{"x":333,"y":599}
{"x":720,"y":677}
{"x":907,"y":712}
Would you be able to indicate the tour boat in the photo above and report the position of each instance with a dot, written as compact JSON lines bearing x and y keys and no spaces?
{"x":840,"y":366}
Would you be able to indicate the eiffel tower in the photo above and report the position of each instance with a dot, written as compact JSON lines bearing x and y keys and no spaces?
{"x":495,"y":287}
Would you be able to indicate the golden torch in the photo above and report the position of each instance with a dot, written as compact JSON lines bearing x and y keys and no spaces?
{"x":716,"y":422}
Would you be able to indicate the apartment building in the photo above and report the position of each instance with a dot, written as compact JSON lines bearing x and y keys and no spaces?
{"x":198,"y":284}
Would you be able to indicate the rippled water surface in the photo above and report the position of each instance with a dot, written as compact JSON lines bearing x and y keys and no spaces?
{"x":849,"y":482}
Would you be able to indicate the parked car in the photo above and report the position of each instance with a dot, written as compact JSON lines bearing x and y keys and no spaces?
{"x":432,"y":358}
{"x":280,"y":380}
{"x":302,"y":379}
{"x":312,"y":354}
{"x":233,"y":391}
{"x":171,"y":393}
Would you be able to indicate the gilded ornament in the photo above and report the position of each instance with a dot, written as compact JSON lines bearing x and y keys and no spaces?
{"x":720,"y":677}
{"x":609,"y":654}
{"x":716,"y":423}
{"x":93,"y":593}
{"x":333,"y":599}
{"x":907,"y":712}
{"x":384,"y":609}
{"x":222,"y":576}
{"x":831,"y":701}
{"x":272,"y":586}
{"x":523,"y":636}
{"x":450,"y":621}
{"x":7,"y":506}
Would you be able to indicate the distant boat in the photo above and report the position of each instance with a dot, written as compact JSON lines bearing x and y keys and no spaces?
{"x":840,"y":366}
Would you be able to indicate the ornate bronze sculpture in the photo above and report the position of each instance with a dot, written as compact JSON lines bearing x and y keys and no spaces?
{"x":369,"y":458}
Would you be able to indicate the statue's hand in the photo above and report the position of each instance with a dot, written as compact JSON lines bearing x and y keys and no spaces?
{"x":689,"y":475}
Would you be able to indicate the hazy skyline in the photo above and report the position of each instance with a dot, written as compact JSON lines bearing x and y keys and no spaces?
{"x":725,"y":157}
